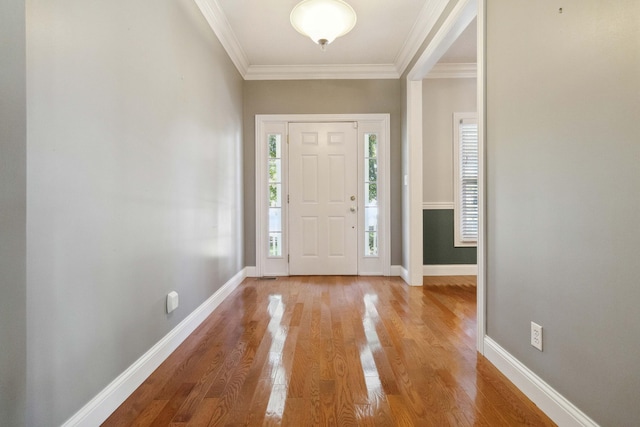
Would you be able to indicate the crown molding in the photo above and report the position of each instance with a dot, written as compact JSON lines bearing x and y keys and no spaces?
{"x":453,"y":71}
{"x":427,"y":19}
{"x":220,"y":25}
{"x":311,"y":72}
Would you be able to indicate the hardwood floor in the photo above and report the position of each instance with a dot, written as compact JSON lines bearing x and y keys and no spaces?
{"x":333,"y":351}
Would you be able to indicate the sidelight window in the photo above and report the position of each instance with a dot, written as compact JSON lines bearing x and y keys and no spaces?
{"x":274,"y":142}
{"x":371,"y":195}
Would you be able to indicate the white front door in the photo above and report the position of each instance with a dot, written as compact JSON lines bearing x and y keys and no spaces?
{"x":323,"y":187}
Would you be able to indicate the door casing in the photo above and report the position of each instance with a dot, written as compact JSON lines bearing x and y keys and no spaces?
{"x":278,"y":124}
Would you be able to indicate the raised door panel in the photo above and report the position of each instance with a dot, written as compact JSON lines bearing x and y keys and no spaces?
{"x":322,"y":180}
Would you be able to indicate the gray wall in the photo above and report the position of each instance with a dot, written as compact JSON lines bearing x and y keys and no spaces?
{"x":563,"y":140}
{"x":13,"y":148}
{"x":134,"y":187}
{"x":320,"y":97}
{"x":440,"y":99}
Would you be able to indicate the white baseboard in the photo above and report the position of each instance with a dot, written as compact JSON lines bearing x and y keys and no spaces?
{"x":399,"y":270}
{"x":552,"y":403}
{"x":250,"y":271}
{"x":437,"y":270}
{"x":108,"y":400}
{"x":396,"y":270}
{"x":450,"y":270}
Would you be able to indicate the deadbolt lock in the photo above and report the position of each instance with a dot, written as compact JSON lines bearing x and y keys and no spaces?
{"x":353,"y":197}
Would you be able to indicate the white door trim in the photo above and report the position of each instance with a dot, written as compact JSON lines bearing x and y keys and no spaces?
{"x":481,"y":301}
{"x":414,"y":236}
{"x":278,"y":123}
{"x":457,"y":20}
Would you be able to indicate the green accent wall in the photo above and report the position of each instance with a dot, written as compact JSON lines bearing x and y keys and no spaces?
{"x":438,"y":240}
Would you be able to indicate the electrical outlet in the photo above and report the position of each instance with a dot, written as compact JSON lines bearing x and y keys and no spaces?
{"x":536,"y":335}
{"x":172,"y":301}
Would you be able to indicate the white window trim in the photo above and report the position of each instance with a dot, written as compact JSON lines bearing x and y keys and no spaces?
{"x":367,"y":123}
{"x":457,"y":119}
{"x":267,"y":265}
{"x":380,"y":264}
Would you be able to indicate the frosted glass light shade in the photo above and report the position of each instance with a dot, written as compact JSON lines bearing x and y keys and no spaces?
{"x":323,"y":20}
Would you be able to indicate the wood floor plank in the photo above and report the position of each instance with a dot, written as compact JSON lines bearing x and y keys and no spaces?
{"x":378,"y":406}
{"x":150,"y":413}
{"x":401,"y":414}
{"x":202,"y":389}
{"x":204,"y":413}
{"x":255,"y":410}
{"x":328,"y":410}
{"x":333,"y":351}
{"x":168,"y":411}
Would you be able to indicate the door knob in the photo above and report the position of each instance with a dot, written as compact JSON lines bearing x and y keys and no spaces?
{"x":353,"y":209}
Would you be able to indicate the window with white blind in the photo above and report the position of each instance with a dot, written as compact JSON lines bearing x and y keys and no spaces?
{"x":465,"y":150}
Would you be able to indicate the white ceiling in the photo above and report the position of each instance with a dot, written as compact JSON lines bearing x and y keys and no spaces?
{"x":263,"y":44}
{"x":463,"y":50}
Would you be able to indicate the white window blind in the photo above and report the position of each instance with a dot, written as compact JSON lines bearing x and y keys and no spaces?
{"x":466,"y":159}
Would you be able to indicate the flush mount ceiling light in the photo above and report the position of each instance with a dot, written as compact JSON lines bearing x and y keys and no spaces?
{"x":323,"y":20}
